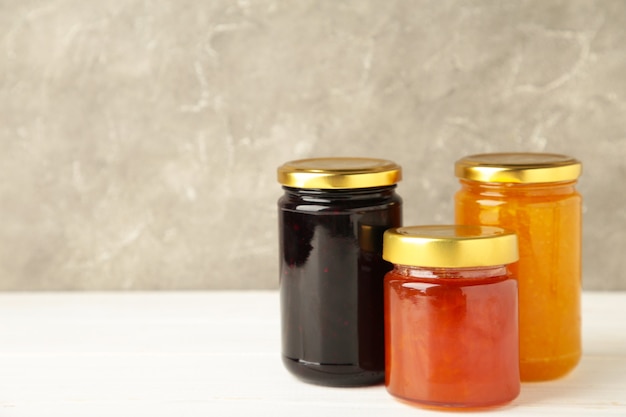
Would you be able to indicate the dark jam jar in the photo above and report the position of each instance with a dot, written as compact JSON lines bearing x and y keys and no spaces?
{"x":331,"y":223}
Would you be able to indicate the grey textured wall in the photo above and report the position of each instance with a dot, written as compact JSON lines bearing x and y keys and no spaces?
{"x":140,"y":139}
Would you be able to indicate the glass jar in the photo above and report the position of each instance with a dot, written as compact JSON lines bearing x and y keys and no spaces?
{"x":451,"y":332}
{"x":535,"y":195}
{"x":331,"y":221}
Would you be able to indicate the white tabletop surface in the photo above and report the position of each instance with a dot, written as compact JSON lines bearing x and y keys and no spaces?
{"x":194,"y":353}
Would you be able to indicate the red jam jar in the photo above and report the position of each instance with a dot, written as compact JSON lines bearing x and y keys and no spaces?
{"x":331,"y":219}
{"x":451,"y":330}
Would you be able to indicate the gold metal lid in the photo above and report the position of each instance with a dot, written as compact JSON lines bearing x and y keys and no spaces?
{"x":524,"y":168}
{"x":450,"y":246}
{"x":339,"y":173}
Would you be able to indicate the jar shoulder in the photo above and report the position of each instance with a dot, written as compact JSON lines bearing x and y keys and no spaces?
{"x":335,"y":201}
{"x":405,"y":275}
{"x":487,"y":196}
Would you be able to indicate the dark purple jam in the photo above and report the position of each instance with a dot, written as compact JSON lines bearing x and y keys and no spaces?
{"x":331,"y":282}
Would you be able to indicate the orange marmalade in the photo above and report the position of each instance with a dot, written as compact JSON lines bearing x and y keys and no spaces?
{"x":534,"y":195}
{"x":451,"y":329}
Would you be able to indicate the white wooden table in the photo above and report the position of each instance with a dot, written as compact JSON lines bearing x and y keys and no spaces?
{"x":217,"y":354}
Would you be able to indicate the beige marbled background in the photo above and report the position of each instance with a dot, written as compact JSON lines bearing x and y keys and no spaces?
{"x":140,"y":138}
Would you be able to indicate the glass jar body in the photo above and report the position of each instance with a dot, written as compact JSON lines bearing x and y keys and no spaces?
{"x":331,"y":282}
{"x":451,"y":336}
{"x":547,"y":220}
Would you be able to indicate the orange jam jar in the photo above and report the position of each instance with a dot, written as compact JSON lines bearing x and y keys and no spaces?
{"x":451,"y":333}
{"x":534,"y":194}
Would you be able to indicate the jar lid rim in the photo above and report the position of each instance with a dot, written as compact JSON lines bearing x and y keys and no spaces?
{"x":339,"y":173}
{"x":518,"y":167}
{"x":452,"y":246}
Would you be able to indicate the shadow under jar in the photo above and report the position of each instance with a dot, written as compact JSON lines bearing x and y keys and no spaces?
{"x":331,"y":222}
